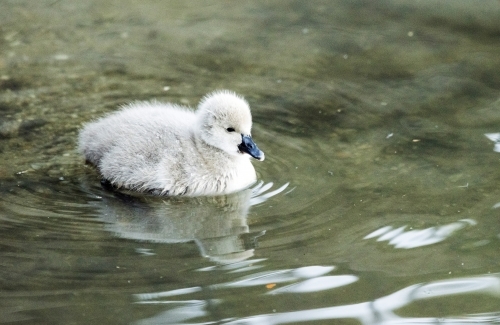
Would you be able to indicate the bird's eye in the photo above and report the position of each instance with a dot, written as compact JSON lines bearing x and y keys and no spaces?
{"x":230,"y":129}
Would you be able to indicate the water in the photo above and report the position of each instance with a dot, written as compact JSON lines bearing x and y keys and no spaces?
{"x":374,"y":114}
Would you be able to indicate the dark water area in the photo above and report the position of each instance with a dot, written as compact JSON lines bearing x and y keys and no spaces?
{"x":378,"y":201}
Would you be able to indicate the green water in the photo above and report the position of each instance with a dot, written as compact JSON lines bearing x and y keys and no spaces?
{"x":373,"y":112}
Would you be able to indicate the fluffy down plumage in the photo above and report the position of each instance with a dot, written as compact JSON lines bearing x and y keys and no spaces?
{"x":172,"y":150}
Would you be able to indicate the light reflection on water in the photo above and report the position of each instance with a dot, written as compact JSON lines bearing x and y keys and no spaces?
{"x":495,"y":137}
{"x":417,"y":238}
{"x":379,"y":311}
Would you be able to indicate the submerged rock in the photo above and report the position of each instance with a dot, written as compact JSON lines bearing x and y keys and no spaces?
{"x":12,"y":129}
{"x":9,"y":129}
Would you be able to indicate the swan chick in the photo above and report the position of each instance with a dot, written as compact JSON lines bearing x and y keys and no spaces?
{"x":168,"y":149}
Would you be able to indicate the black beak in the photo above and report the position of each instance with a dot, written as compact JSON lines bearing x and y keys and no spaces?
{"x":247,"y":145}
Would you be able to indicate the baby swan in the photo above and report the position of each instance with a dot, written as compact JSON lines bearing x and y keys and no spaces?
{"x":171,"y":150}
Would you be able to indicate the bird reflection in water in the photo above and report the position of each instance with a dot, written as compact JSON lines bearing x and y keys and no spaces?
{"x":217,"y":224}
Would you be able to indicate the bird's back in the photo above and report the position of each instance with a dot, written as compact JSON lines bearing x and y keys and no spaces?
{"x":141,"y":127}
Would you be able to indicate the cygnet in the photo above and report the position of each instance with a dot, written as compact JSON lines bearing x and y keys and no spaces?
{"x":169,"y":149}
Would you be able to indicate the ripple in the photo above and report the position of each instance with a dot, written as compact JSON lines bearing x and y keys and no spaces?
{"x":46,"y":204}
{"x":417,"y":238}
{"x":51,"y":235}
{"x":307,"y":279}
{"x":383,"y":310}
{"x":280,"y":276}
{"x":495,"y":137}
{"x":317,"y":284}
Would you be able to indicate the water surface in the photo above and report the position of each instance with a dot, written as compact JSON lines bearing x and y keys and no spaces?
{"x":374,"y":114}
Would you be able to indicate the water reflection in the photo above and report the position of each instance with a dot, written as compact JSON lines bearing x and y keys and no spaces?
{"x":495,"y":137}
{"x":317,"y":284}
{"x":417,"y":238}
{"x":279,"y":276}
{"x":306,"y":277}
{"x":217,"y":225}
{"x":378,"y":311}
